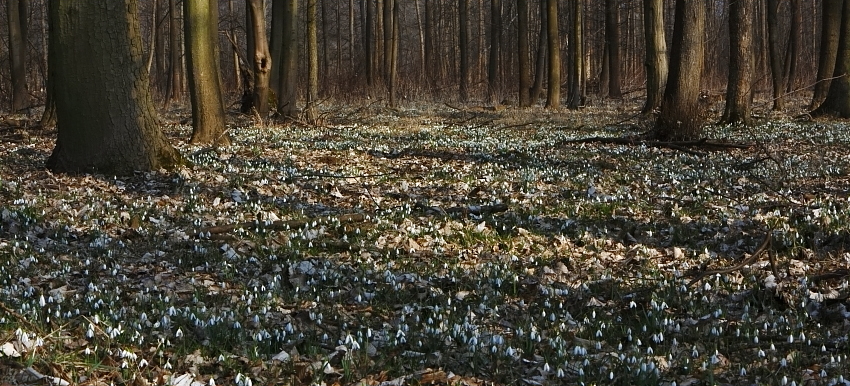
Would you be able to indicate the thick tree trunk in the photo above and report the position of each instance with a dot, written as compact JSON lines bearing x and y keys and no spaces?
{"x":17,"y":20}
{"x":576,"y":76}
{"x":656,"y":54}
{"x":312,"y":61}
{"x":680,"y":113}
{"x":201,"y":34}
{"x":553,"y":94}
{"x":739,"y":93}
{"x":175,"y":62}
{"x":837,"y":102}
{"x":612,"y":42}
{"x":260,"y":57}
{"x":107,"y":122}
{"x":522,"y":51}
{"x":495,"y":51}
{"x":828,"y":46}
{"x":288,"y":98}
{"x":540,"y":57}
{"x":463,"y":46}
{"x":776,"y":56}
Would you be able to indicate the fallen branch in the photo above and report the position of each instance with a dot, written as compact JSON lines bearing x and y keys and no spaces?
{"x":765,"y":246}
{"x":477,"y":210}
{"x":281,"y":225}
{"x":682,"y":146}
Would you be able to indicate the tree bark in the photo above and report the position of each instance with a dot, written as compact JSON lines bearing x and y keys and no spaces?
{"x":795,"y":42}
{"x":175,"y":63}
{"x":391,"y":48}
{"x":495,"y":50}
{"x":260,"y":57}
{"x":428,"y":48}
{"x":576,"y":76}
{"x":739,"y":92}
{"x":612,"y":42}
{"x":201,"y":34}
{"x":776,"y":56}
{"x":288,"y":98}
{"x":680,"y":114}
{"x":276,"y":45}
{"x":656,"y":54}
{"x":830,"y":29}
{"x":522,"y":51}
{"x":312,"y":61}
{"x":107,"y":121}
{"x":17,"y":20}
{"x":540,"y":57}
{"x":463,"y":46}
{"x":837,"y":102}
{"x":553,"y":94}
{"x":369,"y":45}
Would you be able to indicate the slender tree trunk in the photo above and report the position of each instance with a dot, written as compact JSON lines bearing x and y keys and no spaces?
{"x":553,"y":95}
{"x":17,"y":20}
{"x":830,"y":29}
{"x":429,"y":45}
{"x":522,"y":51}
{"x":48,"y":117}
{"x":495,"y":50}
{"x":795,"y":42}
{"x":739,"y":93}
{"x":380,"y":37}
{"x":390,"y":48}
{"x":260,"y":57}
{"x":201,"y":34}
{"x":837,"y":102}
{"x":612,"y":42}
{"x":288,"y":98}
{"x":540,"y":57}
{"x":107,"y":121}
{"x":351,"y":40}
{"x":276,"y":45}
{"x":656,"y":54}
{"x":160,"y":59}
{"x":175,"y":62}
{"x":576,"y":76}
{"x":680,"y":112}
{"x":776,"y":57}
{"x":463,"y":46}
{"x":325,"y":57}
{"x":369,"y":46}
{"x":312,"y":61}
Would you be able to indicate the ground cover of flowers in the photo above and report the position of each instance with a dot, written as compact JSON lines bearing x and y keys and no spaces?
{"x":391,"y":247}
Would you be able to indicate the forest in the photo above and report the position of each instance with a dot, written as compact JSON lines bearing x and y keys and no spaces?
{"x":424,"y":192}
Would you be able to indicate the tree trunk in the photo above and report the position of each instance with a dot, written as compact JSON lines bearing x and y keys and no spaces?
{"x":391,"y":48}
{"x":739,"y":92}
{"x":680,"y":114}
{"x":201,"y":34}
{"x":540,"y":58}
{"x":48,"y":117}
{"x":312,"y":61}
{"x":576,"y":76}
{"x":369,"y":45}
{"x":107,"y":121}
{"x":323,"y":8}
{"x":837,"y":102}
{"x":428,"y":35}
{"x":288,"y":98}
{"x":612,"y":42}
{"x":495,"y":50}
{"x":463,"y":46}
{"x":656,"y":54}
{"x":522,"y":51}
{"x":276,"y":45}
{"x":776,"y":57}
{"x":260,"y":57}
{"x":553,"y":94}
{"x":17,"y":18}
{"x":175,"y":62}
{"x":160,"y":59}
{"x":795,"y":41}
{"x":388,"y":37}
{"x":351,"y":35}
{"x":828,"y":46}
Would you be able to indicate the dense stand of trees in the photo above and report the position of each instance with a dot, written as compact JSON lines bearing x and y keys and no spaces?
{"x":479,"y":51}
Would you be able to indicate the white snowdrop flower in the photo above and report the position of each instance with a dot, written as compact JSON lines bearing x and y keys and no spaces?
{"x":743,"y":372}
{"x":546,"y":367}
{"x":790,"y":338}
{"x":41,"y":301}
{"x":761,"y":353}
{"x":650,"y":351}
{"x":179,"y":333}
{"x":87,"y":351}
{"x":237,"y":325}
{"x":783,"y":362}
{"x":167,"y":365}
{"x":143,"y":363}
{"x":561,"y":373}
{"x":784,"y":380}
{"x":211,"y":382}
{"x":611,"y":375}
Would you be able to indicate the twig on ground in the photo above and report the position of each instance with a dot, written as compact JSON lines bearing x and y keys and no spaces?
{"x":765,"y":246}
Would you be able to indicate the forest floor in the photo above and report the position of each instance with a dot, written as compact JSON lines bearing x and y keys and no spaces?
{"x":435,"y":245}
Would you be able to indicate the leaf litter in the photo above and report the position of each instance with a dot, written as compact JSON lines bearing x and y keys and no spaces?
{"x":435,"y":247}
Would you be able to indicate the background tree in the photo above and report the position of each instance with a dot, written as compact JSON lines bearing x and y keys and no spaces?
{"x":287,"y":99}
{"x":776,"y":55}
{"x":261,"y":58}
{"x":680,"y":114}
{"x":656,"y":54}
{"x":17,"y":23}
{"x":106,"y":117}
{"x":553,"y":94}
{"x":175,"y":61}
{"x":201,"y":34}
{"x":576,"y":52}
{"x":390,"y":25}
{"x":495,"y":50}
{"x":830,"y":28}
{"x":612,"y":43}
{"x":522,"y":52}
{"x":463,"y":47}
{"x":739,"y":91}
{"x":837,"y":101}
{"x":540,"y":57}
{"x":312,"y":61}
